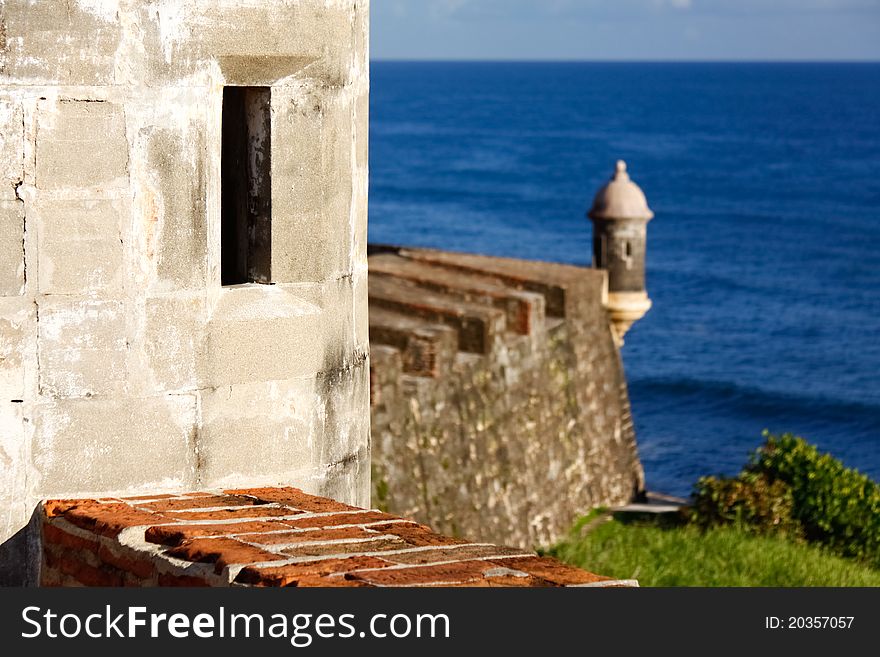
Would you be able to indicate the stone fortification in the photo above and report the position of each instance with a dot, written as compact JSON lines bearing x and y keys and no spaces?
{"x":183,"y":191}
{"x":499,"y":403}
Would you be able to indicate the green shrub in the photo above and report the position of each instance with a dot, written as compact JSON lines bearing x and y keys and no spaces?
{"x":750,"y":501}
{"x":790,"y":487}
{"x":835,"y":505}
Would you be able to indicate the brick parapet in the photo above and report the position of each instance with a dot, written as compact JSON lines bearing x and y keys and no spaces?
{"x":272,"y":537}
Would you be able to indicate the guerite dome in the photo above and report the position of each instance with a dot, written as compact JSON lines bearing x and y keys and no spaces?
{"x":620,"y":198}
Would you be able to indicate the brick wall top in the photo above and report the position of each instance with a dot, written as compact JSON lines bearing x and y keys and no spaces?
{"x":271,"y":537}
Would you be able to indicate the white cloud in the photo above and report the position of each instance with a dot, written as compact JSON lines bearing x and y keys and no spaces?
{"x":441,"y":8}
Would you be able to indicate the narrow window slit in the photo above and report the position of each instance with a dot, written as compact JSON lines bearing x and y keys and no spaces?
{"x":246,"y":186}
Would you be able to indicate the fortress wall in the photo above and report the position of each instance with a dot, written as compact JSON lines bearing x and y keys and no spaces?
{"x":126,"y":367}
{"x":499,"y":403}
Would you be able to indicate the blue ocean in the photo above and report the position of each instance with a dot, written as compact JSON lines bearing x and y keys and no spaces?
{"x":763,"y":259}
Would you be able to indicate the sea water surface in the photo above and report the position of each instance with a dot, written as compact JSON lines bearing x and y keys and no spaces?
{"x":763,"y":259}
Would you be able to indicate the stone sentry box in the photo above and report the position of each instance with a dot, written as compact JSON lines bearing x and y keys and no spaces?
{"x":131,"y":360}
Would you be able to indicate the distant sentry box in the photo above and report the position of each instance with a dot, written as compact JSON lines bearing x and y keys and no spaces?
{"x":620,"y":216}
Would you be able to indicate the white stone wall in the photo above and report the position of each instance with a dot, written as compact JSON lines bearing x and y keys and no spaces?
{"x":125,"y":366}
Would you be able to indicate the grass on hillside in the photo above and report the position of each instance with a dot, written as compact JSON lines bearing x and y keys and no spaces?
{"x":686,"y":556}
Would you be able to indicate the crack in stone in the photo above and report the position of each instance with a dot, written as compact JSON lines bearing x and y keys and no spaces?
{"x":17,"y":188}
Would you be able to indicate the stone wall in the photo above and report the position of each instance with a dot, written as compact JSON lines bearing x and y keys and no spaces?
{"x":125,"y":365}
{"x":499,"y":402}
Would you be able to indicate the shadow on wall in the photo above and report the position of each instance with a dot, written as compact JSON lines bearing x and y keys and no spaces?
{"x":20,"y":555}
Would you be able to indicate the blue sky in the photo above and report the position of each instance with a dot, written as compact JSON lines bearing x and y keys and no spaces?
{"x":626,"y":29}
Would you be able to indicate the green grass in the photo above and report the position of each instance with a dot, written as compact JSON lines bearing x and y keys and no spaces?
{"x":685,"y":556}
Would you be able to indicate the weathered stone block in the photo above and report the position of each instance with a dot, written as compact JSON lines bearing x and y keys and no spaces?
{"x":11,"y":148}
{"x":83,"y":346}
{"x":338,"y":166}
{"x":310,"y":27}
{"x":349,"y":481}
{"x":260,"y":432}
{"x":263,"y":333}
{"x":13,"y":464}
{"x":12,"y":266}
{"x":121,"y":444}
{"x":174,"y":229}
{"x":360,"y":178}
{"x":81,"y":144}
{"x":261,"y":70}
{"x":345,"y":413}
{"x":256,"y":43}
{"x":347,"y":334}
{"x":81,"y":246}
{"x":361,"y":309}
{"x":296,"y":190}
{"x":313,"y":223}
{"x":173,"y":343}
{"x":71,"y":43}
{"x":17,"y":326}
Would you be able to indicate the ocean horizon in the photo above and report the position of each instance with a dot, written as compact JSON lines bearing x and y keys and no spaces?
{"x":646,"y":62}
{"x":761,"y":260}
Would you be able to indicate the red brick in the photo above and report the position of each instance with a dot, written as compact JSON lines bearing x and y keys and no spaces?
{"x":50,"y":577}
{"x":504,"y":581}
{"x":442,"y":574}
{"x":133,"y":581}
{"x":551,"y":570}
{"x":232,"y":514}
{"x":54,"y":508}
{"x":309,"y":536}
{"x":176,"y":534}
{"x":103,"y":519}
{"x":325,"y":549}
{"x":57,"y":536}
{"x":181,"y":580}
{"x":140,"y":498}
{"x":222,"y":552}
{"x":143,"y":568}
{"x":311,"y":581}
{"x":416,"y":535}
{"x":352,"y":518}
{"x":200,"y":502}
{"x":295,"y":498}
{"x":456,"y":553}
{"x":68,"y":563}
{"x":290,"y":574}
